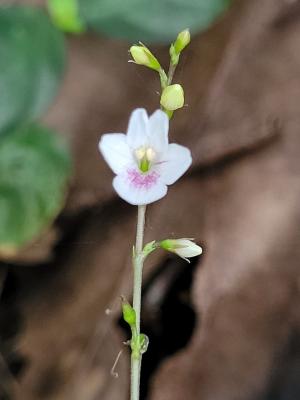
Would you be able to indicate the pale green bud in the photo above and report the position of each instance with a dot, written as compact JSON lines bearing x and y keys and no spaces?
{"x":172,"y":97}
{"x":128,"y":314}
{"x":183,"y":39}
{"x":143,"y":56}
{"x":184,"y":248}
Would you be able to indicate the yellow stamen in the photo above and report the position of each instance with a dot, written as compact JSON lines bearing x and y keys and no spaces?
{"x":150,"y":154}
{"x":144,"y":155}
{"x":140,"y":153}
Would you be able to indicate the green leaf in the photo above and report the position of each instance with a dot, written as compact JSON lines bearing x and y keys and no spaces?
{"x":34,"y":170}
{"x":32,"y":58}
{"x":65,"y":15}
{"x":150,"y":20}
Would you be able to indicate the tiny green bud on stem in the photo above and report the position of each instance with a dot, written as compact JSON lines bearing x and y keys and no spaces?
{"x":143,"y":56}
{"x":172,"y":97}
{"x":183,"y":39}
{"x":128,"y":314}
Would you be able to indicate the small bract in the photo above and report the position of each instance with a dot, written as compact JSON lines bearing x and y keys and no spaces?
{"x":143,"y":160}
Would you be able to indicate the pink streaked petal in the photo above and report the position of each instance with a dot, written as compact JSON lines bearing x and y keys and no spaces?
{"x":137,"y":188}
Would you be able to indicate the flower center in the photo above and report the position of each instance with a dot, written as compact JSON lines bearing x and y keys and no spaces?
{"x":144,"y":156}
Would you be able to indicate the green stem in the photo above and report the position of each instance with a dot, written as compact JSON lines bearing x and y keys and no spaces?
{"x":135,"y":378}
{"x":138,"y":260}
{"x":163,"y":79}
{"x":166,"y":80}
{"x":171,"y":72}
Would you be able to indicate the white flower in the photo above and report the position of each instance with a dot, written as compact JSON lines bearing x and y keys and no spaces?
{"x":184,"y":248}
{"x":143,"y":160}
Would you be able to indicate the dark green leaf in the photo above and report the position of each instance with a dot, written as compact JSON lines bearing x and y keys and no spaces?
{"x":34,"y":171}
{"x":150,"y":20}
{"x":31,"y":64}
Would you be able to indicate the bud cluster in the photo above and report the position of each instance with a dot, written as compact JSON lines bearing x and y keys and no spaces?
{"x":129,"y":315}
{"x":172,"y":96}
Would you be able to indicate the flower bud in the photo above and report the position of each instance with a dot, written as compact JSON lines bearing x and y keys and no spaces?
{"x":128,"y":313}
{"x":143,"y":56}
{"x":183,"y":39}
{"x":184,"y":248}
{"x":172,"y":97}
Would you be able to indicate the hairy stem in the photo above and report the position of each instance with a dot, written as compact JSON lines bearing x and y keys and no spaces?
{"x":138,"y":261}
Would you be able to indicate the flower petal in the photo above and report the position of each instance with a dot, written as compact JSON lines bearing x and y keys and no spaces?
{"x":115,"y":151}
{"x":189,"y":252}
{"x":186,"y":248}
{"x":137,"y":132}
{"x":174,"y":163}
{"x":158,"y":131}
{"x":137,"y":193}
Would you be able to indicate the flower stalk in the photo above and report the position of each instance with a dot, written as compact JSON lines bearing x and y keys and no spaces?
{"x":138,"y":262}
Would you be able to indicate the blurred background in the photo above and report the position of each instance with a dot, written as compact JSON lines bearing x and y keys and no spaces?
{"x":225,"y":326}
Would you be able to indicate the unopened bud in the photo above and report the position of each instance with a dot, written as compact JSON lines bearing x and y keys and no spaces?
{"x":184,"y":248}
{"x":172,"y":97}
{"x":128,"y":313}
{"x":183,"y":39}
{"x":143,"y":56}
